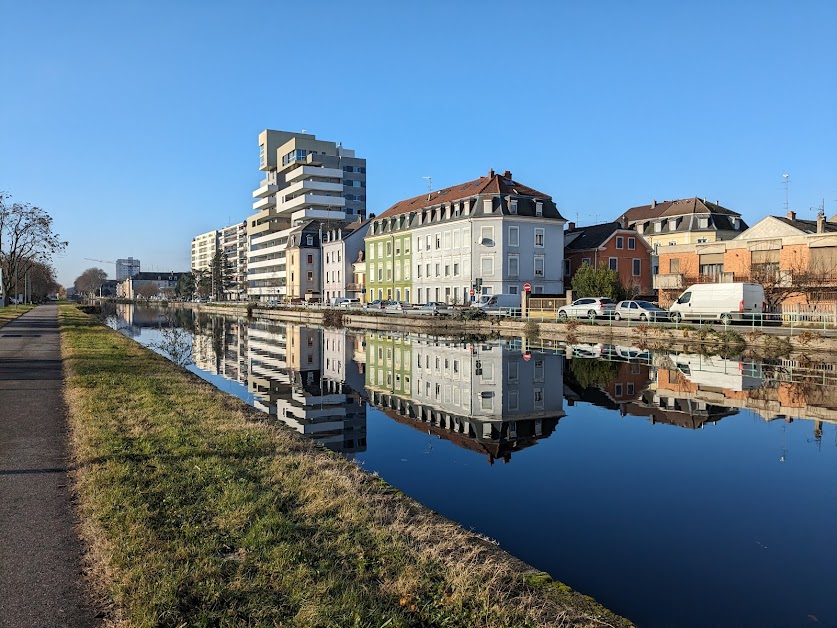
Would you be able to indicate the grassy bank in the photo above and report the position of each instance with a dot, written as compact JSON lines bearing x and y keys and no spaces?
{"x":11,"y":312}
{"x":197,"y":513}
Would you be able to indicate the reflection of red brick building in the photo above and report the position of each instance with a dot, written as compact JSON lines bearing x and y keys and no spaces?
{"x":623,"y":250}
{"x":631,"y":379}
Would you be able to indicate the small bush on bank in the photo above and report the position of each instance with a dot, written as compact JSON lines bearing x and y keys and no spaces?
{"x":333,"y":318}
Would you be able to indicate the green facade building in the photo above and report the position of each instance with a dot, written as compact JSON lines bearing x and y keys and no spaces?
{"x":389,"y":260}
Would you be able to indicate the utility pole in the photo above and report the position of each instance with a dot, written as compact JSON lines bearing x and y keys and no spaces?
{"x":787,"y":181}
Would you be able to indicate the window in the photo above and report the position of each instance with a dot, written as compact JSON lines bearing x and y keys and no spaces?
{"x":566,"y":268}
{"x":674,"y":265}
{"x":514,"y":266}
{"x":513,"y":399}
{"x":538,"y":237}
{"x":456,"y":239}
{"x":418,"y":271}
{"x":438,"y":240}
{"x":538,"y":208}
{"x":637,"y":267}
{"x":539,"y":268}
{"x":672,"y":243}
{"x":438,"y":266}
{"x":309,"y":240}
{"x":407,"y":245}
{"x":310,"y":275}
{"x":487,"y":236}
{"x":538,"y":370}
{"x":389,"y":248}
{"x":398,"y":247}
{"x":487,"y":266}
{"x":703,"y":223}
{"x":512,"y":289}
{"x":585,"y":260}
{"x":372,"y":251}
{"x":631,"y":244}
{"x":447,"y":270}
{"x":380,"y":273}
{"x":702,"y":240}
{"x":513,"y":206}
{"x":538,"y":398}
{"x":620,"y":242}
{"x":514,"y":236}
{"x":613,"y":263}
{"x":427,"y":268}
{"x":427,"y":243}
{"x":456,"y":270}
{"x":658,"y":226}
{"x":618,"y":390}
{"x":446,"y":239}
{"x":380,"y":249}
{"x":310,"y":259}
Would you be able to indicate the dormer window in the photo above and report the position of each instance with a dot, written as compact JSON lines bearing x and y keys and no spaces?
{"x":640,"y":227}
{"x":703,"y":222}
{"x":309,"y":240}
{"x":672,"y":224}
{"x":658,"y":226}
{"x":513,"y":206}
{"x":538,"y":208}
{"x":487,"y":205}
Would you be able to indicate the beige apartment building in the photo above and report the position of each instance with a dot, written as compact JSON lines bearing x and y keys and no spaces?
{"x":203,"y":249}
{"x":305,"y":180}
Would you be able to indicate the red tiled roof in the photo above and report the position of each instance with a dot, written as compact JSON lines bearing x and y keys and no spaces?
{"x":492,"y":184}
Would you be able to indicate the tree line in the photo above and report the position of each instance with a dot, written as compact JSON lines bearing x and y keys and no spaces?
{"x":27,"y":245}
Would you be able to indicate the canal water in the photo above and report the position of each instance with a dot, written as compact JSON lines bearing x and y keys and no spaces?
{"x":676,"y":489}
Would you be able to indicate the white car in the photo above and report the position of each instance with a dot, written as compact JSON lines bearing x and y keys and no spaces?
{"x":433,"y":309}
{"x":588,"y":307}
{"x":640,"y":310}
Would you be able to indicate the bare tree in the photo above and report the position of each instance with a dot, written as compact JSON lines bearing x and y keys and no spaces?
{"x":799,"y":278}
{"x":147,"y":290}
{"x":26,"y":238}
{"x":90,"y":281}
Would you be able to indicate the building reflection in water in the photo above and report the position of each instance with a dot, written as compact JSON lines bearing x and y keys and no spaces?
{"x":483,"y":396}
{"x":296,"y":379}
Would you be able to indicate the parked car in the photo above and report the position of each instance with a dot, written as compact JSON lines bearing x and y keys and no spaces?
{"x":640,"y":310}
{"x":434,"y":308}
{"x":724,"y":302}
{"x":348,"y":303}
{"x":397,"y":306}
{"x":588,"y":307}
{"x":377,"y":304}
{"x":493,"y":302}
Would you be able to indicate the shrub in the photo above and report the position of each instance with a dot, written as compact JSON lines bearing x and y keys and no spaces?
{"x":333,"y":318}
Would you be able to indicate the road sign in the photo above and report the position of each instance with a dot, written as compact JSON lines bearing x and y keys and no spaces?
{"x":527,"y":356}
{"x":472,"y":292}
{"x":527,"y":287}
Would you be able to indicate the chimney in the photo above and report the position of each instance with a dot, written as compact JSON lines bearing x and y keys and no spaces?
{"x":792,"y":215}
{"x":570,"y":226}
{"x":490,"y":172}
{"x":507,"y":174}
{"x":653,"y":203}
{"x":820,"y":222}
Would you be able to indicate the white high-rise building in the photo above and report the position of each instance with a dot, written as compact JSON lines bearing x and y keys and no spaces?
{"x":126,"y":268}
{"x":306,"y":180}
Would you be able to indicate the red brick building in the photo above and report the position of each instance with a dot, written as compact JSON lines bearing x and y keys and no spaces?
{"x":609,"y":244}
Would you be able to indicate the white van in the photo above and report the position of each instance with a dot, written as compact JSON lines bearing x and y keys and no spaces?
{"x":497,"y":302}
{"x":724,"y":302}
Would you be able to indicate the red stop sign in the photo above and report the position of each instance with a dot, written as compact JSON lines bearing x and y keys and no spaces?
{"x":527,"y":287}
{"x":527,"y":356}
{"x":472,"y":292}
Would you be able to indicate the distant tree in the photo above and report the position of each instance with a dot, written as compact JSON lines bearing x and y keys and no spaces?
{"x":147,"y":290}
{"x":185,"y":288}
{"x":590,"y":281}
{"x":90,"y":281}
{"x":26,"y":238}
{"x":42,"y":281}
{"x":217,"y":275}
{"x":203,"y":282}
{"x":591,"y":373}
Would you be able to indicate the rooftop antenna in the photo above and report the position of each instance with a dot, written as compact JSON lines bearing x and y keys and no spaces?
{"x":787,"y":181}
{"x":429,"y":183}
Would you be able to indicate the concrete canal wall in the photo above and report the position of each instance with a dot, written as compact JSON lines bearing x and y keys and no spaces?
{"x":766,"y":341}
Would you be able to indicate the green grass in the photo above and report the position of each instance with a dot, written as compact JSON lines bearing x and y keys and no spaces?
{"x":11,"y":312}
{"x":196,"y":512}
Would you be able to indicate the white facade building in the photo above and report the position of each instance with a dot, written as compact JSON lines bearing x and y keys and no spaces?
{"x":203,"y":249}
{"x":127,"y":268}
{"x":305,"y":179}
{"x":341,"y":247}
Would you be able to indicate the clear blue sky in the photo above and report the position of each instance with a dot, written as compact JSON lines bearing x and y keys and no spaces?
{"x":135,"y":124}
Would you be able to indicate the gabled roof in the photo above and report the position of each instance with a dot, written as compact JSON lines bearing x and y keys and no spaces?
{"x":680,"y":207}
{"x":492,"y":184}
{"x":594,"y":236}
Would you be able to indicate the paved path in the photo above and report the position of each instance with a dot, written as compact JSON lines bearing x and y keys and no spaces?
{"x":40,"y":555}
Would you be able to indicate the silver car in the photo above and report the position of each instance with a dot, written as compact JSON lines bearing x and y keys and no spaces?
{"x":588,"y":307}
{"x":640,"y":311}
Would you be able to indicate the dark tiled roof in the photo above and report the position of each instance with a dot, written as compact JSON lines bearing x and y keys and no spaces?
{"x":807,"y":226}
{"x":680,"y":207}
{"x":590,"y":237}
{"x":490,"y":185}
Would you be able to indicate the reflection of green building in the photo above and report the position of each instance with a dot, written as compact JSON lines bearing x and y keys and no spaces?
{"x":389,"y":259}
{"x":389,"y":363}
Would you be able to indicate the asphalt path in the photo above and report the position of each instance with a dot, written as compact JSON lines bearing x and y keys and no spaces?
{"x":41,"y":582}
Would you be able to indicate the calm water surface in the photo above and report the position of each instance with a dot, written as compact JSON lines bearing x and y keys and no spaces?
{"x":676,"y":489}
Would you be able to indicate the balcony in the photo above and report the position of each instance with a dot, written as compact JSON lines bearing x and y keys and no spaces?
{"x":354,"y":287}
{"x":312,"y":199}
{"x":308,"y":185}
{"x":266,"y":190}
{"x":305,"y":172}
{"x":264,"y":203}
{"x":317,"y":213}
{"x":678,"y":281}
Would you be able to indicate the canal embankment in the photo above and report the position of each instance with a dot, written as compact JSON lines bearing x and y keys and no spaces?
{"x":199,"y":509}
{"x":766,"y":341}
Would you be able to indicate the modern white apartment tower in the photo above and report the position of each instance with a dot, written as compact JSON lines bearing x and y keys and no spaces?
{"x":203,"y":249}
{"x":305,"y":179}
{"x":126,"y":268}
